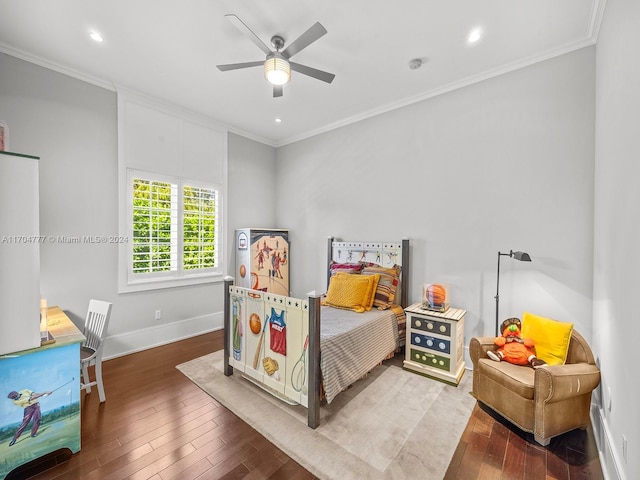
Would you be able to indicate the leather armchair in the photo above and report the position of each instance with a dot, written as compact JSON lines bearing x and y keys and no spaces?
{"x":546,"y":401}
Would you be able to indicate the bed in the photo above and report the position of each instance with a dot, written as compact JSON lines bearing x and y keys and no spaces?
{"x":307,"y":350}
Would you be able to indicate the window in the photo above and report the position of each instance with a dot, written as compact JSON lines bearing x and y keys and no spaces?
{"x":173,"y":227}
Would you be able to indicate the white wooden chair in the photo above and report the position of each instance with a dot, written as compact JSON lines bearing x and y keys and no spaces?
{"x":95,"y":331}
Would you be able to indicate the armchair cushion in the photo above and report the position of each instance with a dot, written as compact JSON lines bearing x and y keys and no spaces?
{"x":516,"y":378}
{"x":551,"y":337}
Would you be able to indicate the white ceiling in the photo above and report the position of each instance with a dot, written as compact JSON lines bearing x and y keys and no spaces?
{"x":169,"y":49}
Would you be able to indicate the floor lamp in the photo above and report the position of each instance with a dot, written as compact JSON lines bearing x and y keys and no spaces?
{"x":523,"y":257}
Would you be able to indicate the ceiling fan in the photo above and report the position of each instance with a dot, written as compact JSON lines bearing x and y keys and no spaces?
{"x":277,"y":66}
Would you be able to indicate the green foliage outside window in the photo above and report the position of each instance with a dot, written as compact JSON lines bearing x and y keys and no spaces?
{"x":199,"y":227}
{"x":152,"y":212}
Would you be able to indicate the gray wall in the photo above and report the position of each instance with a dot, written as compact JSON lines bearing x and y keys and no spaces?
{"x":503,"y":164}
{"x":616,"y":329}
{"x":252,"y":177}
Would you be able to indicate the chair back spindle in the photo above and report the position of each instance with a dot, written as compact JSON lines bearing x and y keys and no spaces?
{"x":95,"y":330}
{"x":95,"y":325}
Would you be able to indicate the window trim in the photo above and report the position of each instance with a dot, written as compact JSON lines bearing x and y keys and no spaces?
{"x":179,"y":276}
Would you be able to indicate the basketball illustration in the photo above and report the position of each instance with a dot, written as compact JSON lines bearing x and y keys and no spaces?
{"x":254,"y":323}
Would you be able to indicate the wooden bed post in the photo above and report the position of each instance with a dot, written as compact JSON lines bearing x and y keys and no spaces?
{"x":404,"y":299}
{"x":329,"y":258}
{"x":313,"y":407}
{"x":228,"y":282}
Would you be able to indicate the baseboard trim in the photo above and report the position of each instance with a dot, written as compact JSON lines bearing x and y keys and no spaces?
{"x":143,"y":339}
{"x":609,"y":458}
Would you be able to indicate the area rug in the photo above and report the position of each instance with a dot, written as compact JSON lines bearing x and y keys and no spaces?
{"x":393,"y":424}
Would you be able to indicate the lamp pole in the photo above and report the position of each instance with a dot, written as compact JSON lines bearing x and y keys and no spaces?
{"x":523,"y":257}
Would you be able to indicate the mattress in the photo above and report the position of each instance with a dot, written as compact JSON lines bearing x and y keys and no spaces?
{"x":351,"y":344}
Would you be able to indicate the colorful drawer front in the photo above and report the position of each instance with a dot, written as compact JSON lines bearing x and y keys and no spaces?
{"x":432,"y":326}
{"x":432,"y":343}
{"x":430,"y":359}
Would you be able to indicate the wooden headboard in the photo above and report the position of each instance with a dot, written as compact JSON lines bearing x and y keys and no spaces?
{"x":385,"y":254}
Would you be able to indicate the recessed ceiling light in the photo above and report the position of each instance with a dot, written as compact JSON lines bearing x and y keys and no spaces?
{"x":475,"y":35}
{"x":278,"y":120}
{"x":95,"y":36}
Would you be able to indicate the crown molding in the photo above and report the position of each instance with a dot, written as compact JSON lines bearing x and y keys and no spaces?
{"x":597,"y":14}
{"x":56,"y":67}
{"x":465,"y":82}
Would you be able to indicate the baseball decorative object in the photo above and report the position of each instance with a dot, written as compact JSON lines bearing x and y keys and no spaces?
{"x":254,"y":323}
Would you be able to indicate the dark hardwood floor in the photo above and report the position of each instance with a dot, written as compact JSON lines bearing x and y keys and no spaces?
{"x":156,"y":424}
{"x":492,"y":448}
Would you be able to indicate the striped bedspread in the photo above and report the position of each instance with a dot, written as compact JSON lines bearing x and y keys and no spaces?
{"x":351,"y":344}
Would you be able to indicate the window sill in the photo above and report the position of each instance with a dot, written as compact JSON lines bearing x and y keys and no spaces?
{"x":163,"y":283}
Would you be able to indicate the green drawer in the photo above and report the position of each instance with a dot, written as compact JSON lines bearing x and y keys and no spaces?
{"x":431,"y":359}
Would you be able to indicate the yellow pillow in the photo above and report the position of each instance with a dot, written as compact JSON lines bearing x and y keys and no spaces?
{"x":371,"y":293}
{"x":551,"y":337}
{"x":350,"y":291}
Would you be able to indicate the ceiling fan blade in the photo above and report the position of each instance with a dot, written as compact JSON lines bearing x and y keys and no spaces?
{"x":303,"y":41}
{"x":277,"y":91}
{"x":247,"y":32}
{"x":236,"y":66}
{"x":312,"y":72}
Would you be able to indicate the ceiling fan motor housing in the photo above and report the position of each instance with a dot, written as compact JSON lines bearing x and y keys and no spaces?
{"x":278,"y":42}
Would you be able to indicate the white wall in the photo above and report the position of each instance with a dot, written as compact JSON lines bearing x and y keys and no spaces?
{"x":252,"y":174}
{"x":504,"y":164}
{"x":72,"y":126}
{"x":616,"y":330}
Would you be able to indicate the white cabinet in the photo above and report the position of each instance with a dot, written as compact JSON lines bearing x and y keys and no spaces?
{"x":435,"y":343}
{"x":19,"y":253}
{"x":262,"y":260}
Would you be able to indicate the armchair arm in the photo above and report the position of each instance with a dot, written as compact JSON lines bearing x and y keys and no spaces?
{"x":554,"y":383}
{"x":478,"y":347}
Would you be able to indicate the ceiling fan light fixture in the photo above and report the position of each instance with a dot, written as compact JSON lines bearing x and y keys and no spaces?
{"x":277,"y":69}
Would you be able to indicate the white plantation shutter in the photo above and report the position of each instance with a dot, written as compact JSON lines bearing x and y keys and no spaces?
{"x":172,"y":227}
{"x":199,"y":231}
{"x":154,"y":217}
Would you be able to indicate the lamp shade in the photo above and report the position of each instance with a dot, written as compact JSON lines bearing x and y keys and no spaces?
{"x":277,"y":69}
{"x":522,"y":256}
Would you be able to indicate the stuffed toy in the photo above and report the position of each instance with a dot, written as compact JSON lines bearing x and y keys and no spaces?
{"x":512,"y":347}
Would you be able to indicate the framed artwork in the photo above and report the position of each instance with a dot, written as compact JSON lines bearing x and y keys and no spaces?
{"x":4,"y":137}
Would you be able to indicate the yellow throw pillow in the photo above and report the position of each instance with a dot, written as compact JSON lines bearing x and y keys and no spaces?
{"x":371,"y":293}
{"x":350,"y":291}
{"x":551,"y":338}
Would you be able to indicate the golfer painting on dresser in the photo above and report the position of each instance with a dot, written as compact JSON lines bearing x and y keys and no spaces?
{"x":27,"y":400}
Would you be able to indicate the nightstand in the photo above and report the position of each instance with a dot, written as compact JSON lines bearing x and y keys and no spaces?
{"x":435,"y":343}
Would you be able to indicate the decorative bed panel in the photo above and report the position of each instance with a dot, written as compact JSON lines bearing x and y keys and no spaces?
{"x":297,"y":348}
